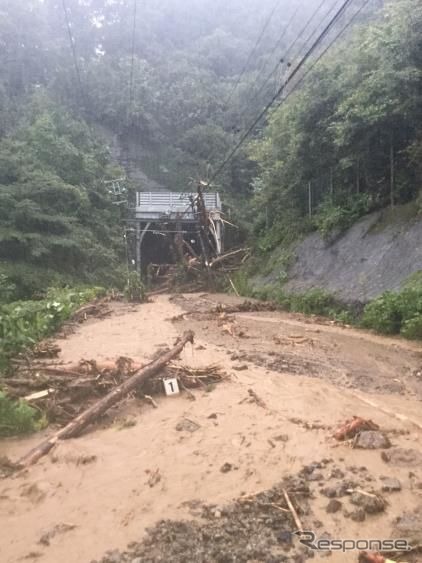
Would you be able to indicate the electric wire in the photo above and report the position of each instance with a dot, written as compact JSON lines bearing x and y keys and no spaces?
{"x":312,"y":34}
{"x":280,"y":91}
{"x":286,"y":54}
{"x":323,"y":53}
{"x":278,"y":43}
{"x":251,"y":54}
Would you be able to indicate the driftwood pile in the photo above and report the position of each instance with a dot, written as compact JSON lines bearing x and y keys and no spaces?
{"x":91,"y":414}
{"x":246,"y":307}
{"x":192,"y":274}
{"x":64,"y":391}
{"x":97,"y":308}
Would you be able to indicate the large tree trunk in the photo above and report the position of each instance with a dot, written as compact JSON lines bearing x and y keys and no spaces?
{"x":75,"y":427}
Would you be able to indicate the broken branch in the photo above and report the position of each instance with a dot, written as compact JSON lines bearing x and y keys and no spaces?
{"x":75,"y":427}
{"x":293,"y":511}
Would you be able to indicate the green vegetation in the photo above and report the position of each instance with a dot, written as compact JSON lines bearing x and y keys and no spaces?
{"x":396,"y":313}
{"x":17,"y":417}
{"x":57,"y":221}
{"x":351,"y":137}
{"x":135,"y":289}
{"x":337,"y":218}
{"x":313,"y":302}
{"x":23,"y":323}
{"x":171,"y":102}
{"x":392,"y":313}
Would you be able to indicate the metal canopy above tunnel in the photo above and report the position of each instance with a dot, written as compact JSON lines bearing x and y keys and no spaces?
{"x":169,"y":223}
{"x":173,"y":206}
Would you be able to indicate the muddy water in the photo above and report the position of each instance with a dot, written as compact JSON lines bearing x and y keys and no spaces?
{"x":111,"y":484}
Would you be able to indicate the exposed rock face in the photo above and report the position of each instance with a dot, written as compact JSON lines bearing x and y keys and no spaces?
{"x":375,"y":255}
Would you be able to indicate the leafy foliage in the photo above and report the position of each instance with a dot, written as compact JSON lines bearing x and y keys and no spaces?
{"x":396,"y":313}
{"x":330,"y":217}
{"x":17,"y":417}
{"x":55,"y":210}
{"x":135,"y":289}
{"x":23,"y":323}
{"x":348,"y":140}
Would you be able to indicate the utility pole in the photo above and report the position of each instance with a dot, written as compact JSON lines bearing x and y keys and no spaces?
{"x":310,"y":198}
{"x":392,"y":171}
{"x":358,"y":176}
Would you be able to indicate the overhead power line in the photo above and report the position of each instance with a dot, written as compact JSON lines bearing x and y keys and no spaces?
{"x":278,"y":43}
{"x":280,"y":91}
{"x":289,"y":50}
{"x":323,"y":53}
{"x":251,"y":54}
{"x":313,"y":33}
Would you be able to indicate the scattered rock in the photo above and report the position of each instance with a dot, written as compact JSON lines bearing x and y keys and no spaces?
{"x":372,"y":440}
{"x":338,"y":490}
{"x":336,"y":473}
{"x":409,"y":526}
{"x":326,"y":461}
{"x":358,"y":515}
{"x":333,"y":506}
{"x":281,"y":438}
{"x":187,"y":425}
{"x":403,"y":457}
{"x":308,"y":469}
{"x":241,"y":367}
{"x":316,"y":477}
{"x":390,"y":484}
{"x":212,"y":415}
{"x":226,"y":467}
{"x":245,"y":530}
{"x":371,"y":503}
{"x":330,"y":492}
{"x":285,"y":537}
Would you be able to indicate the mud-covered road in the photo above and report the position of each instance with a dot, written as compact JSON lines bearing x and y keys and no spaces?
{"x":203,"y":461}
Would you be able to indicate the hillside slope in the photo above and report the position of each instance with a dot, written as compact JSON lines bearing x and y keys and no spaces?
{"x":378,"y":253}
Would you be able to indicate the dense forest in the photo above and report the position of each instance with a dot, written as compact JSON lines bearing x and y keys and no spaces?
{"x":91,"y":90}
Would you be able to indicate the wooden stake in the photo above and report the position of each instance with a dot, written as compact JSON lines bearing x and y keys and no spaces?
{"x":233,"y":286}
{"x":87,"y":417}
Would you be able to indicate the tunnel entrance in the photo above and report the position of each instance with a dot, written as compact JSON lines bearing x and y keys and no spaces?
{"x":169,"y":229}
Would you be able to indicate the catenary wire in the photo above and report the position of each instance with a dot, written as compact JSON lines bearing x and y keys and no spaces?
{"x":280,"y":91}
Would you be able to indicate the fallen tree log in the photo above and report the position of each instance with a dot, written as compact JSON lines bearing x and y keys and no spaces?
{"x":75,"y":427}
